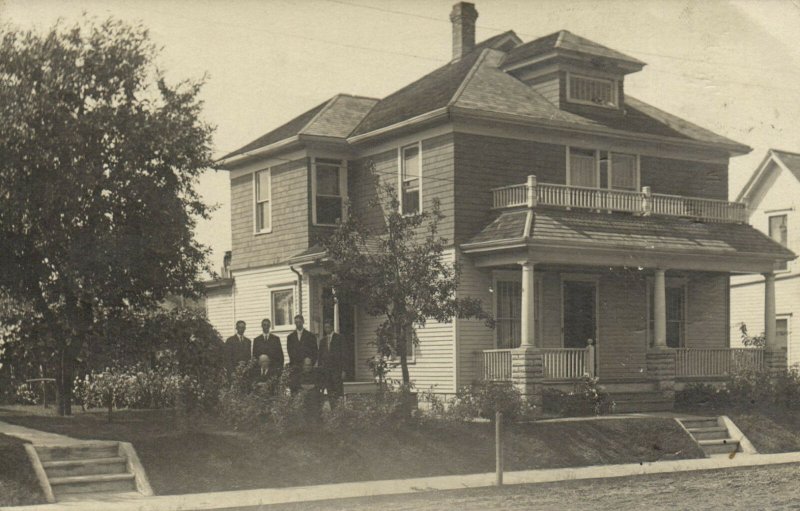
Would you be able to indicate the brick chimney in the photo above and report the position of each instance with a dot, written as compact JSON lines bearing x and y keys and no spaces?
{"x":463,"y":18}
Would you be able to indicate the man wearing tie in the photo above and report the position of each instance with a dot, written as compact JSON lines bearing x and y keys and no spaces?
{"x":329,"y":363}
{"x":237,"y":348}
{"x":301,"y":344}
{"x":269,"y":344}
{"x":264,"y":376}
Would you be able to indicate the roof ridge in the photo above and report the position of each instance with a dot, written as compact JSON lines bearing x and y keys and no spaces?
{"x":470,"y":74}
{"x":358,"y":96}
{"x":559,"y":38}
{"x":319,"y":114}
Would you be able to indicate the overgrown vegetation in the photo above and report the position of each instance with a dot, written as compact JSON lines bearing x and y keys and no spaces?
{"x":745,"y":390}
{"x":586,"y":398}
{"x":18,"y":484}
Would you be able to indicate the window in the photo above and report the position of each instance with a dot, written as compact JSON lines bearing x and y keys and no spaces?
{"x":593,"y":91}
{"x":624,"y":171}
{"x":778,"y":232}
{"x":508,"y":312}
{"x":329,"y":184}
{"x":602,"y":169}
{"x":583,"y":168}
{"x":676,"y":317}
{"x":263,"y":200}
{"x":410,"y":178}
{"x":282,"y":307}
{"x":782,"y":332}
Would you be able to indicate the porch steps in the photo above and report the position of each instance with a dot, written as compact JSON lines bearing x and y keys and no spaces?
{"x":717,"y":436}
{"x":88,"y":470}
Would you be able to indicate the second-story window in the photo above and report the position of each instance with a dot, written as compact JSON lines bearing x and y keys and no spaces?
{"x":410,"y":179}
{"x":583,"y":169}
{"x":778,"y":231}
{"x":329,"y":184}
{"x":263,"y":200}
{"x":624,"y":171}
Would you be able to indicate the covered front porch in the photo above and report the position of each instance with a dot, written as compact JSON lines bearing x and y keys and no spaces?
{"x":637,"y":298}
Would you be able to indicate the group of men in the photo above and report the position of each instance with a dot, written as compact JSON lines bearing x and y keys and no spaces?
{"x":312,"y":361}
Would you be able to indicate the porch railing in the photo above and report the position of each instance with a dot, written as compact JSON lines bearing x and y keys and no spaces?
{"x":497,"y":365}
{"x":638,"y":202}
{"x":559,"y":363}
{"x":704,"y":362}
{"x":564,"y":363}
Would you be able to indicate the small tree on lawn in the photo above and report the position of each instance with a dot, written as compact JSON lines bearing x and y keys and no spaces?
{"x":99,"y":157}
{"x":397,"y":271}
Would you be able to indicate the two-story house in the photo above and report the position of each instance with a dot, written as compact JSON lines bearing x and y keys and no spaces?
{"x":576,"y":211}
{"x":773,"y":197}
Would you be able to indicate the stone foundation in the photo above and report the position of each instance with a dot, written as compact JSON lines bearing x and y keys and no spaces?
{"x":527,"y":373}
{"x":661,"y":369}
{"x":775,"y":361}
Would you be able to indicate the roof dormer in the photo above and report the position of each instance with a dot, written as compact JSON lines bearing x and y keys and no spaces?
{"x":572,"y":72}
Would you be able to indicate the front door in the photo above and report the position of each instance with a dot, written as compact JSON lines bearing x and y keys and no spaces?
{"x":580,"y":313}
{"x":346,"y":330}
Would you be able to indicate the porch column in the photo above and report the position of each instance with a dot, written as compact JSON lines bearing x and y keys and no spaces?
{"x":528,"y":328}
{"x":660,"y":310}
{"x":335,"y":312}
{"x":769,"y":311}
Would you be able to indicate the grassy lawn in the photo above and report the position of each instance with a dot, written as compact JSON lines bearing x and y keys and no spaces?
{"x":211,"y":457}
{"x":18,"y":484}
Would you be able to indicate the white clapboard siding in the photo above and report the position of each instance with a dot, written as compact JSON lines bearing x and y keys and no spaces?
{"x":219,"y":309}
{"x":473,"y":336}
{"x":433,"y":364}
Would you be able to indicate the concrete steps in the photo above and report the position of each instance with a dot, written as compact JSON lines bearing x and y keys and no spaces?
{"x":716,"y":436}
{"x":88,"y":470}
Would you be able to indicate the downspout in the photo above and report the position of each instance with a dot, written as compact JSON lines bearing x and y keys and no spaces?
{"x":299,"y":289}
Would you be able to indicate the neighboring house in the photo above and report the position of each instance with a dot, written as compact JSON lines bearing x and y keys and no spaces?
{"x":575,"y":210}
{"x":772,"y":195}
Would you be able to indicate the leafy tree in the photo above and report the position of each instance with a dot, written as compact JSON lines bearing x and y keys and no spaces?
{"x":397,"y":271}
{"x":99,"y":158}
{"x":756,"y":341}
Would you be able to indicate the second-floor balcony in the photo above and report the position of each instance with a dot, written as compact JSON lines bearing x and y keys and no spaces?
{"x":644,"y":202}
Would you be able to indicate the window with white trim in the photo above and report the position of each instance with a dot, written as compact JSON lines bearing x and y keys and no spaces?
{"x":602,"y":169}
{"x":592,"y":91}
{"x":623,"y":171}
{"x":263,"y":200}
{"x":782,"y":331}
{"x":410,"y":180}
{"x":282,"y":301}
{"x":583,"y":169}
{"x":778,"y":231}
{"x":676,"y":314}
{"x":329,"y":191}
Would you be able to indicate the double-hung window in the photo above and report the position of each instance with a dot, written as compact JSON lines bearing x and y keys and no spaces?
{"x":778,"y":231}
{"x":602,"y":169}
{"x":282,"y":307}
{"x":508,"y":311}
{"x":583,"y":169}
{"x":410,"y":180}
{"x":623,"y":171}
{"x":263,"y":200}
{"x":329,"y":184}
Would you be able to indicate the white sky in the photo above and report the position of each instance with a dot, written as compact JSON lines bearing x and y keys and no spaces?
{"x":730,"y":66}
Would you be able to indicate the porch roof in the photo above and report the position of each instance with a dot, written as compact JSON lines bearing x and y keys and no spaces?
{"x":641,"y":234}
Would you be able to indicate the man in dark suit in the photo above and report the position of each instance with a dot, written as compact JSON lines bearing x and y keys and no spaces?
{"x":237,"y":348}
{"x":329,"y":363}
{"x":264,"y":376}
{"x":269,"y":344}
{"x":301,"y":344}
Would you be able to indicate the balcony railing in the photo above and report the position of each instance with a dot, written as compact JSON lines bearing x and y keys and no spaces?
{"x":644,"y":202}
{"x":713,"y":362}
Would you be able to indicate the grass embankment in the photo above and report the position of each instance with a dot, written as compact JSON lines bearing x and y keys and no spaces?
{"x":18,"y":484}
{"x":210,"y":457}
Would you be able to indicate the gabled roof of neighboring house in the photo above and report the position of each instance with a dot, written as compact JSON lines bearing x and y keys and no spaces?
{"x":651,"y":233}
{"x":335,"y":117}
{"x":564,"y":40}
{"x":785,"y":159}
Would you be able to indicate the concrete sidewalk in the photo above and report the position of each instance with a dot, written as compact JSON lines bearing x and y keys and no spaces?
{"x":259,"y":499}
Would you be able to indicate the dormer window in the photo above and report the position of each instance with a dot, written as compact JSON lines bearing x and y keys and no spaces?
{"x":592,"y":91}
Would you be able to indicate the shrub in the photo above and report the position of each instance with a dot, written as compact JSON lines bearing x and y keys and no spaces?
{"x":701,"y":394}
{"x":484,"y":399}
{"x":586,"y":398}
{"x":746,"y":389}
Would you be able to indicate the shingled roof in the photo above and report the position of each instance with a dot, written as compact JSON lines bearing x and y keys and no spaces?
{"x":335,"y":117}
{"x":565,"y":40}
{"x":786,"y":159}
{"x":634,"y":233}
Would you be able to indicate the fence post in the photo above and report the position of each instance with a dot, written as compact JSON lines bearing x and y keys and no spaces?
{"x":590,"y":368}
{"x":498,"y":447}
{"x":647,"y":203}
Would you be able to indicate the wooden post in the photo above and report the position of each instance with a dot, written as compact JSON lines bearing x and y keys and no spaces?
{"x":660,"y":312}
{"x":590,"y":370}
{"x":498,"y":447}
{"x":527,"y":327}
{"x":531,"y":186}
{"x":647,"y":203}
{"x":769,"y":312}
